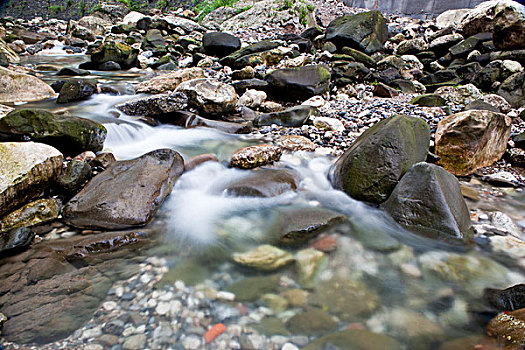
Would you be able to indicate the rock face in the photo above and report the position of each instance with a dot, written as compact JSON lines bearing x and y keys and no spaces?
{"x":127,"y":193}
{"x":26,"y":169}
{"x":55,"y":287}
{"x":255,"y":156}
{"x":209,"y":95}
{"x":472,"y":139}
{"x":370,"y":169}
{"x":71,"y":135}
{"x":509,"y":26}
{"x":169,"y":82}
{"x":365,"y":31}
{"x":19,"y":87}
{"x":220,"y":44}
{"x":303,"y":82}
{"x":428,"y":201}
{"x":154,"y":105}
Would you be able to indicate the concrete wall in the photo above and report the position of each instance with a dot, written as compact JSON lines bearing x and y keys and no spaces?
{"x":415,"y":8}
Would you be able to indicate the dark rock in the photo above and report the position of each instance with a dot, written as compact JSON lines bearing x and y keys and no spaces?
{"x":220,"y":44}
{"x":370,"y":169}
{"x":300,"y":83}
{"x":154,"y":105}
{"x":71,"y":135}
{"x":76,"y":90}
{"x":509,"y":299}
{"x":109,"y":66}
{"x":366,"y":31}
{"x":72,"y":72}
{"x":102,"y":160}
{"x":76,"y":174}
{"x":292,"y":117}
{"x":509,"y":26}
{"x":383,"y":90}
{"x":513,"y":90}
{"x":428,"y":201}
{"x":15,"y":239}
{"x":154,"y":41}
{"x":127,"y":193}
{"x":190,"y":120}
{"x":356,"y":72}
{"x":235,"y":60}
{"x":464,"y":47}
{"x":263,"y":183}
{"x":470,"y":140}
{"x":31,"y":214}
{"x":243,"y":85}
{"x":252,"y":288}
{"x":428,"y":100}
{"x":293,"y":226}
{"x":486,"y":78}
{"x":57,"y":85}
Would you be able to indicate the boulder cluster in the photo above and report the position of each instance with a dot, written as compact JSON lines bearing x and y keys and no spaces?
{"x":200,"y":74}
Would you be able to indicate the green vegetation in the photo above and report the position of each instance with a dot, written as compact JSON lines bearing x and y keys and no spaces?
{"x":205,"y":7}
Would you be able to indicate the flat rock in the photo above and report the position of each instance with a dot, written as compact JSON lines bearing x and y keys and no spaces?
{"x":26,"y":168}
{"x":127,"y":193}
{"x":293,"y":116}
{"x":300,"y":83}
{"x":20,"y":87}
{"x":264,"y":257}
{"x":154,"y":105}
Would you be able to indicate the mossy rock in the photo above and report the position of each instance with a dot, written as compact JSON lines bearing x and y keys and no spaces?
{"x":34,"y":213}
{"x":370,"y":169}
{"x":271,"y":326}
{"x":359,"y":56}
{"x":428,"y":100}
{"x":121,"y":53}
{"x":299,"y":83}
{"x":234,"y":60}
{"x":70,"y":135}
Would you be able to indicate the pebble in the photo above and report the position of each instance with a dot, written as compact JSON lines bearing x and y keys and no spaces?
{"x":191,"y":342}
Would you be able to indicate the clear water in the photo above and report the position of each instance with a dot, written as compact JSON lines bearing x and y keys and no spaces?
{"x":411,"y":278}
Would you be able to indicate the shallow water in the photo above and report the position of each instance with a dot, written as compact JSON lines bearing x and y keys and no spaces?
{"x":407,"y":275}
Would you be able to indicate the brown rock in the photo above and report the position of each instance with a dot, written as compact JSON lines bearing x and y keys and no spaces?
{"x":470,"y":140}
{"x":255,"y":156}
{"x":198,"y":160}
{"x":20,"y":87}
{"x":509,"y":327}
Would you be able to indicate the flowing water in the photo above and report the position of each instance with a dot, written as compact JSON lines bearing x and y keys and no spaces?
{"x":395,"y":282}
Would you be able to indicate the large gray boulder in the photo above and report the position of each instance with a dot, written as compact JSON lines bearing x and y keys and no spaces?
{"x":370,"y":169}
{"x":127,"y":194}
{"x":509,"y":26}
{"x":428,"y":201}
{"x":299,"y":83}
{"x":20,"y":87}
{"x":26,"y":168}
{"x":71,"y":135}
{"x":472,"y":139}
{"x":365,"y":31}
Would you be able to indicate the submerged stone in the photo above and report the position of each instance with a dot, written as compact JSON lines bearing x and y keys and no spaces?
{"x":264,"y":183}
{"x":293,"y":117}
{"x":355,"y":340}
{"x":252,"y":288}
{"x":264,"y":257}
{"x":314,"y":322}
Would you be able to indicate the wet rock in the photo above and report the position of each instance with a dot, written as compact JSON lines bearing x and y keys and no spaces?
{"x":264,"y":257}
{"x":428,"y":201}
{"x":294,"y":226}
{"x":509,"y":299}
{"x":418,"y":330}
{"x":76,"y":90}
{"x":31,"y":214}
{"x":15,"y":239}
{"x":308,"y":263}
{"x":314,"y":322}
{"x":509,"y":26}
{"x":9,"y":54}
{"x":117,"y":52}
{"x":255,"y":156}
{"x":154,"y":105}
{"x":68,"y":71}
{"x":301,"y":83}
{"x":428,"y":100}
{"x":296,"y":143}
{"x":355,"y":339}
{"x":271,"y":326}
{"x":472,"y":139}
{"x":109,"y":66}
{"x":370,"y":169}
{"x":209,"y":95}
{"x":198,"y":160}
{"x":102,"y":160}
{"x":240,"y":58}
{"x":26,"y":169}
{"x":54,"y":288}
{"x":135,"y":342}
{"x":383,"y":90}
{"x":347,"y":299}
{"x":127,"y":193}
{"x":190,"y":120}
{"x":509,"y":327}
{"x":275,"y":302}
{"x":517,"y":157}
{"x":71,"y":135}
{"x":19,"y":87}
{"x":366,"y":31}
{"x":263,"y":183}
{"x":220,"y":44}
{"x":252,"y":288}
{"x":75,"y":176}
{"x":293,"y":117}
